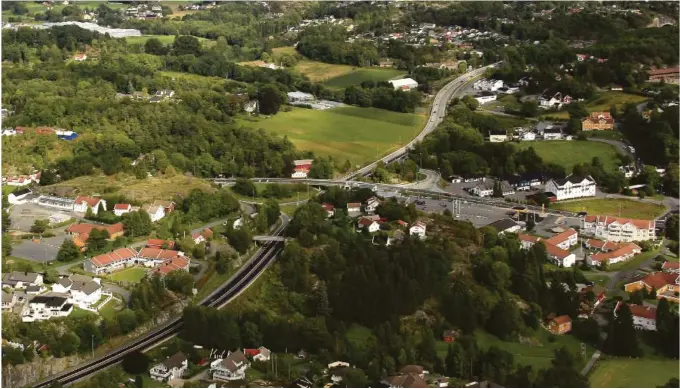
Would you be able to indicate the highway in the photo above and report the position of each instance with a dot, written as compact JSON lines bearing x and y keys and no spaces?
{"x":243,"y":277}
{"x":437,"y":114}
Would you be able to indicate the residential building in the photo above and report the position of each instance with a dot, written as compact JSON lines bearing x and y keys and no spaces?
{"x":160,"y":244}
{"x":251,"y":106}
{"x":80,"y":57}
{"x":498,"y":137}
{"x":231,"y":368}
{"x":418,"y":229}
{"x":370,"y":225}
{"x":204,"y":236}
{"x":109,"y":262}
{"x":560,"y":325}
{"x":623,"y":253}
{"x":666,"y":285}
{"x":45,"y":308}
{"x":587,"y":306}
{"x":56,"y":202}
{"x":488,"y":85}
{"x":671,"y":267}
{"x":165,"y":93}
{"x":353,"y":208}
{"x":599,"y":245}
{"x":485,"y":189}
{"x":82,"y":203}
{"x":179,"y":262}
{"x":386,"y":64}
{"x":8,"y":300}
{"x":504,"y":226}
{"x":564,"y":240}
{"x":572,"y":187}
{"x":628,"y":171}
{"x":414,"y":369}
{"x":405,"y":381}
{"x":644,"y":317}
{"x":170,"y":369}
{"x":169,"y":206}
{"x":18,"y":196}
{"x":121,"y":209}
{"x":261,"y":354}
{"x":598,"y":121}
{"x":21,"y":279}
{"x":618,"y":229}
{"x":553,"y":100}
{"x":81,"y":231}
{"x":485,"y":97}
{"x":528,"y":241}
{"x":156,"y":212}
{"x":552,"y":133}
{"x":404,"y":84}
{"x":559,"y":256}
{"x":302,"y":167}
{"x":300,"y":97}
{"x":84,"y":291}
{"x":668,"y":75}
{"x":372,"y":204}
{"x":329,"y":208}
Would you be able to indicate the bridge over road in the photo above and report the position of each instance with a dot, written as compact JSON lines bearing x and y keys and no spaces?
{"x":267,"y":238}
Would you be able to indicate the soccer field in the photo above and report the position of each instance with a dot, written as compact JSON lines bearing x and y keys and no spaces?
{"x":632,"y":373}
{"x":569,"y":153}
{"x":634,"y":209}
{"x":358,"y":134}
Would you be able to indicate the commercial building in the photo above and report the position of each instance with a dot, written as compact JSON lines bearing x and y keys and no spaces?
{"x":404,"y":84}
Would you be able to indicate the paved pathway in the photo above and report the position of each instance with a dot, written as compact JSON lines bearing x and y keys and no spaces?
{"x":591,"y":362}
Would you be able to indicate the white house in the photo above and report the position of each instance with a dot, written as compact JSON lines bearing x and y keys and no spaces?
{"x":82,"y":203}
{"x":618,"y":229}
{"x":528,"y":241}
{"x":504,"y":226}
{"x":260,"y":354}
{"x":498,"y":137}
{"x":369,"y":224}
{"x":46,"y":307}
{"x":353,"y":207}
{"x":552,"y":133}
{"x":329,"y":208}
{"x":231,"y":368}
{"x":156,"y":212}
{"x":488,"y":85}
{"x":556,"y":100}
{"x":644,"y":317}
{"x":565,"y":239}
{"x":21,"y":279}
{"x":619,"y":254}
{"x":372,"y":204}
{"x":418,"y":229}
{"x":170,"y":369}
{"x":302,"y":167}
{"x":404,"y":84}
{"x":251,"y":106}
{"x":528,"y":136}
{"x":84,"y":291}
{"x":8,"y":300}
{"x":559,"y":256}
{"x":300,"y":97}
{"x":572,"y":187}
{"x":18,"y":196}
{"x":121,"y":209}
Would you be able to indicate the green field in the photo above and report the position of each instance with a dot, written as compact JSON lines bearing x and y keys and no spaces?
{"x":633,"y":209}
{"x":603,"y":103}
{"x":165,"y":39}
{"x":599,"y":279}
{"x":109,"y":310}
{"x":359,"y":75}
{"x":569,"y":153}
{"x":357,"y":134}
{"x":632,"y":373}
{"x":134,"y":274}
{"x":538,"y":355}
{"x":634,"y":262}
{"x":260,"y":187}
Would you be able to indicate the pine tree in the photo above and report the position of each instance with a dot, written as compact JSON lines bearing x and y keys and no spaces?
{"x":622,"y":338}
{"x":321,"y":299}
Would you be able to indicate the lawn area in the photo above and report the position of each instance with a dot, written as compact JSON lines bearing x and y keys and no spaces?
{"x":632,"y":373}
{"x":538,"y":356}
{"x":358,"y":333}
{"x":133,"y":274}
{"x":568,"y":153}
{"x":78,"y":312}
{"x":634,"y":209}
{"x":599,"y":279}
{"x":260,"y":187}
{"x":358,"y":75}
{"x":508,"y":101}
{"x":357,"y":134}
{"x":603,"y":103}
{"x":144,"y":190}
{"x":109,"y":310}
{"x":165,"y":39}
{"x":509,"y":121}
{"x":634,"y":263}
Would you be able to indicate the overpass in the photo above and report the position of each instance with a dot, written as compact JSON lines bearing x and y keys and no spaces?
{"x":267,"y":238}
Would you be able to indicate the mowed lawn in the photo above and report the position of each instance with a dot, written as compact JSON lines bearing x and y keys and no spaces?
{"x":634,"y":209}
{"x":358,"y":134}
{"x":632,"y":373}
{"x":165,"y":39}
{"x":568,"y":153}
{"x":604,"y":102}
{"x":539,"y":354}
{"x":359,"y":75}
{"x":134,"y":274}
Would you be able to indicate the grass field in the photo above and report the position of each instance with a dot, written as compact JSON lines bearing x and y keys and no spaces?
{"x":109,"y":310}
{"x":165,"y":39}
{"x":144,"y":190}
{"x":604,"y":102}
{"x":634,"y":209}
{"x":357,"y":134}
{"x":539,"y":355}
{"x":634,"y":262}
{"x":134,"y":274}
{"x":599,"y":279}
{"x":569,"y":153}
{"x":335,"y":75}
{"x":632,"y":373}
{"x":261,"y":187}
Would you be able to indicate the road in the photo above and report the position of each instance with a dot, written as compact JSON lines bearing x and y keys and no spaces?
{"x":437,"y":114}
{"x":243,"y":277}
{"x":620,"y":146}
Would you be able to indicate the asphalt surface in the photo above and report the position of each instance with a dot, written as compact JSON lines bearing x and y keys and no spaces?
{"x":441,"y":101}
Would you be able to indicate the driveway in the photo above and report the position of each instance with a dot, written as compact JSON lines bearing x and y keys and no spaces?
{"x":115,"y":289}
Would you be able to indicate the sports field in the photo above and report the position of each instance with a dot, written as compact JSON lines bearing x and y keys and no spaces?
{"x":634,"y":209}
{"x":358,"y":134}
{"x":133,"y":274}
{"x":604,"y":102}
{"x":569,"y":153}
{"x":632,"y":373}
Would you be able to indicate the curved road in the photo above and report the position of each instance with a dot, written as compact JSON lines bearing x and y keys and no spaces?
{"x":437,"y":114}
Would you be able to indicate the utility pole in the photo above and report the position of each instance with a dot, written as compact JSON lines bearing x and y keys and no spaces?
{"x":92,"y":346}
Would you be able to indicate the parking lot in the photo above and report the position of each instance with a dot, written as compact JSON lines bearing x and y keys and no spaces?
{"x":43,"y":251}
{"x":23,"y":215}
{"x":477,"y":214}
